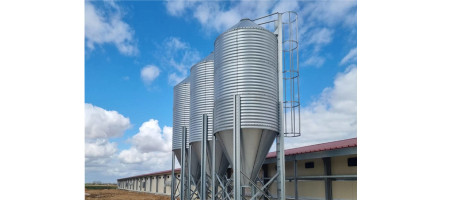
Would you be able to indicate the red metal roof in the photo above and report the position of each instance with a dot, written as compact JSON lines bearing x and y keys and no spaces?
{"x":299,"y":150}
{"x":317,"y":147}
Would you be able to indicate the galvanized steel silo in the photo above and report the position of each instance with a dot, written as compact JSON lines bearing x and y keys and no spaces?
{"x":181,"y":109}
{"x":245,"y":63}
{"x":202,"y":102}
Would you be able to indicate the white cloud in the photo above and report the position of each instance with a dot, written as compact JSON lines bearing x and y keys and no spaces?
{"x":151,"y":139}
{"x":314,"y":60}
{"x":100,"y":126}
{"x":175,"y":44}
{"x":332,"y":116}
{"x":175,"y":79}
{"x":149,"y":73}
{"x":101,"y":148}
{"x":106,"y":26}
{"x":177,"y":7}
{"x":151,"y":143}
{"x":213,"y":16}
{"x":317,"y":20}
{"x":179,"y":56}
{"x":132,"y":156}
{"x":332,"y":12}
{"x":100,"y":123}
{"x":319,"y":37}
{"x":283,"y":6}
{"x":150,"y":151}
{"x":350,"y":57}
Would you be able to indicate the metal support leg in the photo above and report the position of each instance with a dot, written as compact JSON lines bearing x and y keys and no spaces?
{"x":172,"y":185}
{"x":281,"y":167}
{"x":203,"y":158}
{"x":237,"y":148}
{"x":265,"y":175}
{"x":213,"y":169}
{"x":183,"y":163}
{"x":189,"y":196}
{"x":280,"y":137}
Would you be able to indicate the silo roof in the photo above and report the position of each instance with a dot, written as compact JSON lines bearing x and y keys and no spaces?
{"x":245,"y":23}
{"x":210,"y":57}
{"x":186,"y":80}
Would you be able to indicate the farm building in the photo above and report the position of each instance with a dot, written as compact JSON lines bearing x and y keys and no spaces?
{"x":322,"y":171}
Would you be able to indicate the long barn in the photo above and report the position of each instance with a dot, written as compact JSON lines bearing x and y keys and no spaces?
{"x":317,"y":172}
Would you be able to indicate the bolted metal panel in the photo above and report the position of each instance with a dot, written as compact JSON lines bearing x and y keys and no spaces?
{"x":181,"y":109}
{"x":245,"y":64}
{"x":202,"y":97}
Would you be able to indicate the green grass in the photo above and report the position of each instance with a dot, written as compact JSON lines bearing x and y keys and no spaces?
{"x":100,"y":187}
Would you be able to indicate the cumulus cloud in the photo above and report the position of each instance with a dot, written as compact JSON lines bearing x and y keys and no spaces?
{"x":149,"y":143}
{"x":106,"y":26}
{"x":100,"y":148}
{"x":100,"y":126}
{"x":150,"y":151}
{"x":150,"y":138}
{"x":149,"y":73}
{"x":100,"y":123}
{"x":350,"y":57}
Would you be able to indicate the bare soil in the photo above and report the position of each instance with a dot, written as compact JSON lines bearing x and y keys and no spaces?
{"x":115,"y":194}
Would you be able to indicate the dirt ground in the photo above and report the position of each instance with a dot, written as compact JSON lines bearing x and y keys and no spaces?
{"x":115,"y":194}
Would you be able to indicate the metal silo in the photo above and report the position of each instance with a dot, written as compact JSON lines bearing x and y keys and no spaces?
{"x":202,"y":102}
{"x":181,"y":108}
{"x":245,"y":64}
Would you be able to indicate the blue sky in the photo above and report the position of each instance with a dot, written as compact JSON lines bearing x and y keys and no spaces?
{"x":135,"y":51}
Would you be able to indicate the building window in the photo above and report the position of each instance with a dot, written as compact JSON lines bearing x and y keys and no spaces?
{"x":351,"y":162}
{"x":309,"y":165}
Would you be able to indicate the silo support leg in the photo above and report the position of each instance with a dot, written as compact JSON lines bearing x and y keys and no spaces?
{"x":237,"y":148}
{"x":203,"y":188}
{"x":173,"y":180}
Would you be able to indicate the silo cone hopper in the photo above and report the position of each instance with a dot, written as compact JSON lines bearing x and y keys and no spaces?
{"x":195,"y":159}
{"x":221,"y":160}
{"x":255,"y":144}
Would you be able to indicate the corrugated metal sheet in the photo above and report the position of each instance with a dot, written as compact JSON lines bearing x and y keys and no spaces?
{"x":202,"y":98}
{"x":245,"y":63}
{"x":181,"y":109}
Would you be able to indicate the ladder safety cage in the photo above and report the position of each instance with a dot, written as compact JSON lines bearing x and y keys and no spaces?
{"x":291,"y":71}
